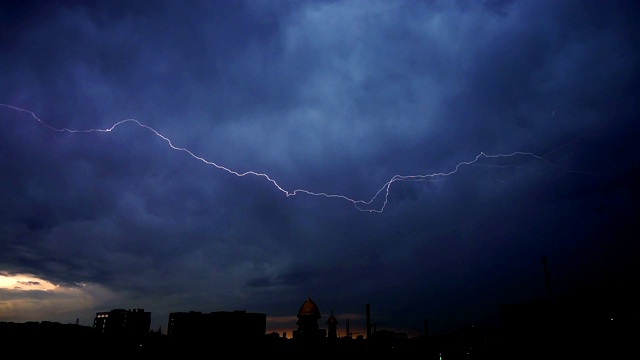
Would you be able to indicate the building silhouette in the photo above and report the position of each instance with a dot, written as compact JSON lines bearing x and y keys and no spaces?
{"x":332,"y":327}
{"x":584,"y":327}
{"x":308,"y":330}
{"x":132,"y":323}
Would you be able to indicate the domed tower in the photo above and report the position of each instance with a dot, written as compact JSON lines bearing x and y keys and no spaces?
{"x":308,"y":317}
{"x":332,"y":324}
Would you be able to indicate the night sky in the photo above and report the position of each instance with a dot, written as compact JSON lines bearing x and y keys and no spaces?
{"x":262,"y":152}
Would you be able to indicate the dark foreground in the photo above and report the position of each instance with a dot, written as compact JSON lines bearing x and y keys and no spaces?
{"x":75,"y":341}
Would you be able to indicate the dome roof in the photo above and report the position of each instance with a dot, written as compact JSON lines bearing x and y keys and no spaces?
{"x":332,"y":319}
{"x":309,"y":309}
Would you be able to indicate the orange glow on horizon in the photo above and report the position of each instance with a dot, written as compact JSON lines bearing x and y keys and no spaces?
{"x":287,"y":324}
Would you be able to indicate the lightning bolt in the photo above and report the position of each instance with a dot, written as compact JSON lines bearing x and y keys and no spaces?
{"x":362,"y":205}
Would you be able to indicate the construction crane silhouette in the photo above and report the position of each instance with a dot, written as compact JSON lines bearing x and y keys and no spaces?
{"x":371,"y":327}
{"x":349,"y":334}
{"x":374,"y":326}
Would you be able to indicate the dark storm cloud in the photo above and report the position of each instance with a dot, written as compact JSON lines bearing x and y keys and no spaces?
{"x":334,"y":97}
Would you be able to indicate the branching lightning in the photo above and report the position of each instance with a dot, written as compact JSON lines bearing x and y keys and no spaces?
{"x":362,"y":205}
